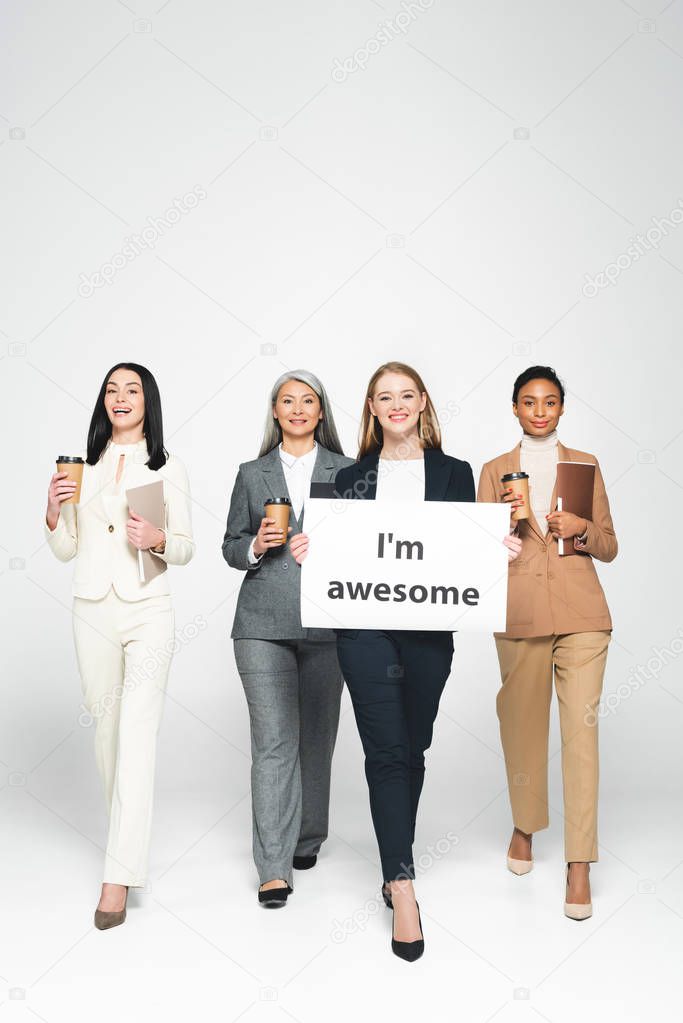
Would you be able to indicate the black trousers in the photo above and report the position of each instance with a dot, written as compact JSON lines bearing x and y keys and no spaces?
{"x":395,"y":679}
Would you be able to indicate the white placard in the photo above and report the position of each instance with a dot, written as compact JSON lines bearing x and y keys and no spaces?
{"x":404,"y":565}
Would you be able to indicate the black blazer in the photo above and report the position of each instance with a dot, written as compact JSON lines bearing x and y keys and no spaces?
{"x":446,"y":478}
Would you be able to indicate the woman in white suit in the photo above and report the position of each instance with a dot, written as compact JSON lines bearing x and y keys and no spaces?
{"x":123,"y":627}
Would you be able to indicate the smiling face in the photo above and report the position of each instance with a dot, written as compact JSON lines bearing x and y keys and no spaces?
{"x":297,"y":409}
{"x":397,"y":403}
{"x":538,"y":407}
{"x":124,"y":400}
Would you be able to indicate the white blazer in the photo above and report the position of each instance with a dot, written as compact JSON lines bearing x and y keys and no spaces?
{"x":94,"y":531}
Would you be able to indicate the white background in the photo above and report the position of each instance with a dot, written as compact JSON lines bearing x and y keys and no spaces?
{"x":442,"y":206}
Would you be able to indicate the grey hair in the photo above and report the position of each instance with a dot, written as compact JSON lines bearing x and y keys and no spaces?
{"x":325,"y":432}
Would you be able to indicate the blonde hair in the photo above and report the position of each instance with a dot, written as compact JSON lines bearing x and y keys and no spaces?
{"x":371,"y":437}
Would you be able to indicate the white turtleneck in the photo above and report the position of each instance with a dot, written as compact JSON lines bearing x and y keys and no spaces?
{"x":538,"y":458}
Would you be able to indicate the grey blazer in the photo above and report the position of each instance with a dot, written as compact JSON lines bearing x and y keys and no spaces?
{"x":269,"y":601}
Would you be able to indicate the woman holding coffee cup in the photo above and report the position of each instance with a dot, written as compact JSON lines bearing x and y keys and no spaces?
{"x":120,"y":620}
{"x":291,"y":675}
{"x":396,"y":677}
{"x":557,"y":622}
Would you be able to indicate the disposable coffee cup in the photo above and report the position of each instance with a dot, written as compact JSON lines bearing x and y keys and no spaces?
{"x":74,"y":467}
{"x":278,"y":508}
{"x":520,"y":485}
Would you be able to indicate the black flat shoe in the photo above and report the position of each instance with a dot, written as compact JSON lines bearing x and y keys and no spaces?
{"x":386,"y":895}
{"x":408,"y":950}
{"x":304,"y":862}
{"x":274,"y":898}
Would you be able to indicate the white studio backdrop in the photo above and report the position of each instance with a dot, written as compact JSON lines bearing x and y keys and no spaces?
{"x":471,"y":188}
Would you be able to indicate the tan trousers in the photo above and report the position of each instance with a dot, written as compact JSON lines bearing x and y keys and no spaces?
{"x":124,"y":650}
{"x":523,"y":705}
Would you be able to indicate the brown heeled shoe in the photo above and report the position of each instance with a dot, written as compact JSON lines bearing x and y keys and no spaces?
{"x":105,"y":920}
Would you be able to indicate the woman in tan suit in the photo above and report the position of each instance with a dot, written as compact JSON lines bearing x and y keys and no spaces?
{"x":557,"y":622}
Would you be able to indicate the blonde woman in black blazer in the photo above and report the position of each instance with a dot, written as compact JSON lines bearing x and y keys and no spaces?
{"x":396,"y":677}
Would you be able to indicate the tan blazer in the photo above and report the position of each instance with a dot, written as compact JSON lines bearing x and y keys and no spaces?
{"x":548,"y":594}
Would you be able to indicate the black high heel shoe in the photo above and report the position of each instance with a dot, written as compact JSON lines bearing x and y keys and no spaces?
{"x":386,"y":895}
{"x":274,"y":898}
{"x":408,"y":950}
{"x":304,"y":862}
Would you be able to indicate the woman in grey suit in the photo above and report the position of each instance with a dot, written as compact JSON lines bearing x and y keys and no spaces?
{"x":291,"y":675}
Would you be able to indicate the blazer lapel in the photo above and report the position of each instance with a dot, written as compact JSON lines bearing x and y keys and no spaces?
{"x":437,"y":474}
{"x":513,"y":465}
{"x":106,"y":470}
{"x":274,"y":478}
{"x":324,"y":471}
{"x":367,"y":466}
{"x":273,"y":475}
{"x":563,"y":455}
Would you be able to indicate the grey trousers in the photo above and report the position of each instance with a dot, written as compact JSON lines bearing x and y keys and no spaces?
{"x":293,"y":689}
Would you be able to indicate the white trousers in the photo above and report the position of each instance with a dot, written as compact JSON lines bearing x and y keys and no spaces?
{"x":124,"y":649}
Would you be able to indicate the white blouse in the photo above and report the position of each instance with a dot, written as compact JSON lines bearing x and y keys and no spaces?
{"x":298,"y":473}
{"x":94,"y":531}
{"x":401,"y":479}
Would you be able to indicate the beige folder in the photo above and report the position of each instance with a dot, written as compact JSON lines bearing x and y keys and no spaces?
{"x":148,"y":501}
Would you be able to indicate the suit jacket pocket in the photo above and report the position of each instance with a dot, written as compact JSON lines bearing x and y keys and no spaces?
{"x":577,"y":562}
{"x":584,"y":595}
{"x":520,"y":593}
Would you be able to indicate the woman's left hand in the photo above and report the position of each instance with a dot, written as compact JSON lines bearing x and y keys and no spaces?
{"x":298,"y":545}
{"x":563,"y":525}
{"x":514,"y":546}
{"x":142,"y":534}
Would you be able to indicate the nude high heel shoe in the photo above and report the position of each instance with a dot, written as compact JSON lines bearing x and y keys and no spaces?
{"x":105,"y":920}
{"x":577,"y":910}
{"x":520,"y":866}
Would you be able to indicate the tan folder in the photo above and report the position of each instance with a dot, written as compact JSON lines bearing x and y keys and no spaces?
{"x":148,"y":501}
{"x":575,"y":482}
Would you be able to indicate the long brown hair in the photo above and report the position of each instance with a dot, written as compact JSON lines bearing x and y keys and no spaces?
{"x":371,"y":438}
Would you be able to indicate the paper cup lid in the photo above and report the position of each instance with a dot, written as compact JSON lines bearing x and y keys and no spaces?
{"x":277,"y":500}
{"x":514,"y":476}
{"x":69,"y":458}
